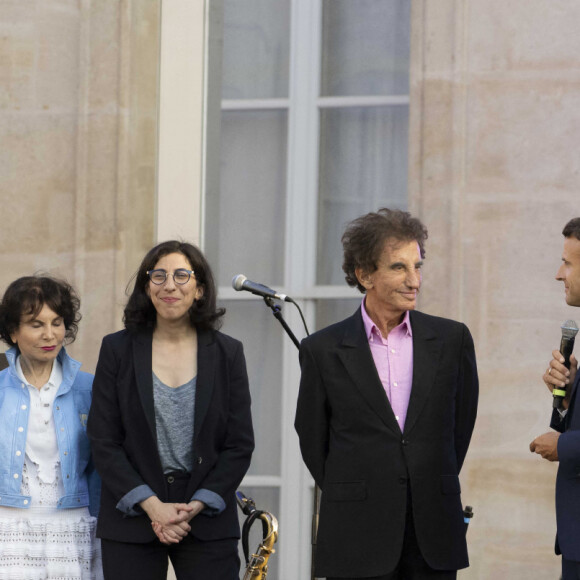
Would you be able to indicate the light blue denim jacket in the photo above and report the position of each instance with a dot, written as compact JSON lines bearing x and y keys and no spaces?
{"x":71,"y":408}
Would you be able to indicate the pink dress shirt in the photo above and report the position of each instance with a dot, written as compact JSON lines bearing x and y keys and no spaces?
{"x":393,"y":358}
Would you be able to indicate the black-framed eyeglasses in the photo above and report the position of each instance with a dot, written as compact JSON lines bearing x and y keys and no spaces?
{"x":180,"y":276}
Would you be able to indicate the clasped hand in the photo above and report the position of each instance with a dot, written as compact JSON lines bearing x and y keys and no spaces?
{"x":170,"y":521}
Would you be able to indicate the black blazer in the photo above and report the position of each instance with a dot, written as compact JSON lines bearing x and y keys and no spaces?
{"x":121,"y":427}
{"x":568,"y":479}
{"x":354,"y":448}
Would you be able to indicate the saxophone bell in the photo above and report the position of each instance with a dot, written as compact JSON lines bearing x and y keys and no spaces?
{"x":257,"y":564}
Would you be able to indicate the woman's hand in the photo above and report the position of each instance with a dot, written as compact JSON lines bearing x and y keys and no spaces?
{"x":170,"y":518}
{"x":176,"y":527}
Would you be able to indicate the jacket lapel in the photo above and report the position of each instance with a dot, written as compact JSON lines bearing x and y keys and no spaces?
{"x":573,"y":396}
{"x":143,"y":361}
{"x":426,"y":353}
{"x":357,"y":358}
{"x":206,"y":357}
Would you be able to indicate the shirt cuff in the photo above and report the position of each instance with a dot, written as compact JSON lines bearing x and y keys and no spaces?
{"x":129,"y":503}
{"x":214,"y":504}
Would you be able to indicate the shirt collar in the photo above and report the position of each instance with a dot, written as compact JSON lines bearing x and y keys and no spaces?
{"x":55,"y":378}
{"x":371,"y":327}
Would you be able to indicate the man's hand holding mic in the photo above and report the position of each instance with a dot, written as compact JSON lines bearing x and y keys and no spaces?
{"x":559,"y":377}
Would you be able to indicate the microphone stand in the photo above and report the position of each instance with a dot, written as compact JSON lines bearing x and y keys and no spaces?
{"x":277,"y":312}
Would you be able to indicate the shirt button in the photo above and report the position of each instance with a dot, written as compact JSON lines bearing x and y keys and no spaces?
{"x":20,"y":429}
{"x":62,"y":428}
{"x":397,"y":417}
{"x":58,"y":408}
{"x":66,"y":452}
{"x":18,"y":453}
{"x":395,"y":384}
{"x":405,"y":442}
{"x":25,"y":502}
{"x":16,"y":476}
{"x":23,"y":407}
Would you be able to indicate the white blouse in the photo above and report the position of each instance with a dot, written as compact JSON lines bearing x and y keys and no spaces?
{"x":41,"y":473}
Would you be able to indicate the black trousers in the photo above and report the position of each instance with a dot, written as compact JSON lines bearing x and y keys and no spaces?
{"x":412,"y":565}
{"x":192,"y":559}
{"x":570,"y":569}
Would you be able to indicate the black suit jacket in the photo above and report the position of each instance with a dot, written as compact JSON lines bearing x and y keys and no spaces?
{"x":568,"y":479}
{"x":354,"y":448}
{"x":121,"y":427}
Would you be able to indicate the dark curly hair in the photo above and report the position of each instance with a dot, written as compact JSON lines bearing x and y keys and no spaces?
{"x":27,"y":295}
{"x":140,"y":312}
{"x":364,"y":239}
{"x":572,"y":229}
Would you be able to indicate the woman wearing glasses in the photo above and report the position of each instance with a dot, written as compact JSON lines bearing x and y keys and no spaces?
{"x":170,"y":427}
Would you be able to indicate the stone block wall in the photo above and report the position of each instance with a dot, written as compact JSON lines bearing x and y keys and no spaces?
{"x":494,"y":173}
{"x":78,"y":134}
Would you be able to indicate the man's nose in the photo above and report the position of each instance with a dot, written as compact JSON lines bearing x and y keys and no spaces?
{"x":414,"y":279}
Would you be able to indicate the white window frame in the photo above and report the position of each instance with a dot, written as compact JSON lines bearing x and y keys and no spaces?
{"x":183,"y":127}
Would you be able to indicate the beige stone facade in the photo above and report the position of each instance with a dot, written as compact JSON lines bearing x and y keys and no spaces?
{"x":494,"y":173}
{"x":78,"y":134}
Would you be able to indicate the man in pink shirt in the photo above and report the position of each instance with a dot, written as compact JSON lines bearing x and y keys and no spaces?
{"x":387,"y":405}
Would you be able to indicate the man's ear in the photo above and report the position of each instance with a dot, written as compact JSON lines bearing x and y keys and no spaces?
{"x":363,"y":278}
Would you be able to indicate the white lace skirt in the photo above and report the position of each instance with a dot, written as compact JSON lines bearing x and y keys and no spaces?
{"x":49,"y":544}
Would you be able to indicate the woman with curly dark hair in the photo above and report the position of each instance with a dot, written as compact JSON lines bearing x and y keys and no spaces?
{"x":49,"y":490}
{"x":170,"y":427}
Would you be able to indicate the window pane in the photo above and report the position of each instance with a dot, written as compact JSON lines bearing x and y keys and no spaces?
{"x":252,"y":322}
{"x":256,"y":49}
{"x":330,"y":311}
{"x":365,"y":47}
{"x":267,"y":499}
{"x":363,"y":166}
{"x":250,"y":210}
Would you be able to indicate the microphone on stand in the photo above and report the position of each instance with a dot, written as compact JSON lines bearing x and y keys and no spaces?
{"x":569,"y":331}
{"x":240,"y":282}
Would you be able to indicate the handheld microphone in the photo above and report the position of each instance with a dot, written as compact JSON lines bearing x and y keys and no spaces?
{"x":467,"y":515}
{"x":240,"y":282}
{"x":569,"y":331}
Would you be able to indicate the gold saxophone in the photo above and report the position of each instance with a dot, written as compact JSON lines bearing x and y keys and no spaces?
{"x":257,"y":567}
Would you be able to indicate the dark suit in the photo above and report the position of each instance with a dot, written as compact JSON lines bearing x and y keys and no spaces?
{"x":354,"y":448}
{"x":568,"y":479}
{"x":122,"y":430}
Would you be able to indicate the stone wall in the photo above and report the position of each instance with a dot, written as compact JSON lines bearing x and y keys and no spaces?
{"x":495,"y":101}
{"x":78,"y":134}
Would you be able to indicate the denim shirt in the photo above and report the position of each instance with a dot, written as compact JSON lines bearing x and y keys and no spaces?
{"x":70,"y":412}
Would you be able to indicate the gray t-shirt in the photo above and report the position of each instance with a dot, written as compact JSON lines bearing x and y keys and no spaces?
{"x":174,"y":416}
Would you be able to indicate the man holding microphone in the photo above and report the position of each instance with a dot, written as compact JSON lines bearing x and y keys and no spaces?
{"x":563,"y":444}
